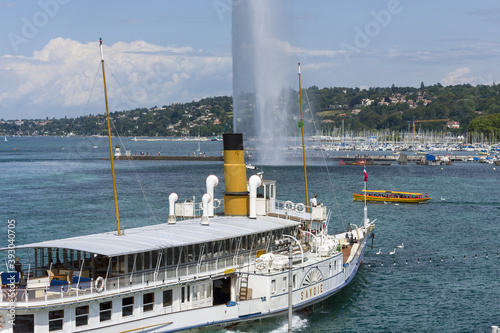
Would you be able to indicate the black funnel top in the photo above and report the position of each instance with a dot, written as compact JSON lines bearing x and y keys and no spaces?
{"x":233,"y":141}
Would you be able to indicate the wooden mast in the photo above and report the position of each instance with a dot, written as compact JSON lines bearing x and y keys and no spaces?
{"x":301,"y":125}
{"x":110,"y":143}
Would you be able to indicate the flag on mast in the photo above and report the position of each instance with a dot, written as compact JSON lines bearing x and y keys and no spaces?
{"x":366,"y":175}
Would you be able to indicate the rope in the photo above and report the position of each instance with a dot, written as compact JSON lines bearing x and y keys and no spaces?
{"x":329,"y":176}
{"x":131,"y":163}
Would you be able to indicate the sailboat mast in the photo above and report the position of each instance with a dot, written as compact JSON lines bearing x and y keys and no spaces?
{"x":301,"y":125}
{"x":110,"y":143}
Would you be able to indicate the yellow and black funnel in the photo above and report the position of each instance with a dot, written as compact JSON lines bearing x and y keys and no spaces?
{"x":235,"y":175}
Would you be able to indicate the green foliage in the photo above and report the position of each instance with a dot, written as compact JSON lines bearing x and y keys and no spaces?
{"x":393,"y":108}
{"x":489,"y":125}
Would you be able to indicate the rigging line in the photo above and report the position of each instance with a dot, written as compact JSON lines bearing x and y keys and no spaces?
{"x":134,"y":170}
{"x":92,"y":89}
{"x":324,"y":161}
{"x":136,"y":174}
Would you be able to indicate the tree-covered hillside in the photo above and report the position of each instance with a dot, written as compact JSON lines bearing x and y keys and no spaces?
{"x":392,"y":108}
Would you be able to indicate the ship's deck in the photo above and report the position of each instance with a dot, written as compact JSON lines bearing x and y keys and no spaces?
{"x":149,"y":238}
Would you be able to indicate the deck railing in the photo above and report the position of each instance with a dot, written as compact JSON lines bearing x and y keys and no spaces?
{"x":139,"y":280}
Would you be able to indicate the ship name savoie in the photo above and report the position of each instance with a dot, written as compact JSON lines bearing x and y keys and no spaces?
{"x":311,"y":292}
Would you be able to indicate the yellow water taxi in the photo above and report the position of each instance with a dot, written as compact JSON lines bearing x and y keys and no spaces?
{"x":391,"y":196}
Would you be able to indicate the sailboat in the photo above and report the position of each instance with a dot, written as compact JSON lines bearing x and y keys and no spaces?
{"x":5,"y":138}
{"x":242,"y":257}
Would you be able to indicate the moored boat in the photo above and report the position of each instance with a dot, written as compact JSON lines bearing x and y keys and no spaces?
{"x":390,"y":196}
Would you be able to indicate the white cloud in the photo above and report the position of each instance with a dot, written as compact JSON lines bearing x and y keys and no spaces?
{"x":286,"y":47}
{"x":57,"y":80}
{"x":458,"y":76}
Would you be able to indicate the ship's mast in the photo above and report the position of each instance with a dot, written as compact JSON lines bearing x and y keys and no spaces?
{"x":301,"y":125}
{"x":110,"y":143}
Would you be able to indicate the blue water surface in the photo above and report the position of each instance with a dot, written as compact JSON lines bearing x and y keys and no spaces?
{"x":445,"y":279}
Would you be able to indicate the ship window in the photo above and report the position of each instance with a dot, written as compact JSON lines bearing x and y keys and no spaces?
{"x":197,"y":251}
{"x":191,"y":253}
{"x":105,"y":311}
{"x":167,"y":297}
{"x":56,"y":320}
{"x":234,"y":244}
{"x":154,"y":259}
{"x":208,"y":250}
{"x":195,"y":293}
{"x":139,"y":261}
{"x":169,"y":258}
{"x":183,"y":297}
{"x":81,"y":315}
{"x":220,"y":248}
{"x":284,"y":283}
{"x":147,"y":260}
{"x":127,"y":306}
{"x":184,"y":253}
{"x":244,"y":243}
{"x":121,"y":264}
{"x":148,"y":301}
{"x":273,"y":286}
{"x":130,"y":263}
{"x":24,"y":324}
{"x":294,"y":281}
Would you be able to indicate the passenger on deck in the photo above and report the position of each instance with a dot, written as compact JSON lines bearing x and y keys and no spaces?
{"x":314,"y":201}
{"x":18,"y":266}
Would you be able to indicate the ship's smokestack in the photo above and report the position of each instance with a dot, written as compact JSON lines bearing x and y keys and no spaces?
{"x":235,"y":175}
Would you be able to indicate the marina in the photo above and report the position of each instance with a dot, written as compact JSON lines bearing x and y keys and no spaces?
{"x":353,"y":158}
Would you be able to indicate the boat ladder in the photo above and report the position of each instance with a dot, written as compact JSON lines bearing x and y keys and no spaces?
{"x":244,"y":287}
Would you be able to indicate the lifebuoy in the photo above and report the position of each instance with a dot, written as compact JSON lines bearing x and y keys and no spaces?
{"x":260,"y":264}
{"x":99,"y":284}
{"x":218,"y":203}
{"x":299,"y":205}
{"x":288,"y":205}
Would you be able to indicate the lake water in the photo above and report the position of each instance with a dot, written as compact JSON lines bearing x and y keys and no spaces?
{"x":445,"y":279}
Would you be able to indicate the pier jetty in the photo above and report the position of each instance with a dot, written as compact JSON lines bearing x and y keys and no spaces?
{"x":169,"y":158}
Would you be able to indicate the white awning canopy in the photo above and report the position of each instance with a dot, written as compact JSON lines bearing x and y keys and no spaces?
{"x":156,"y":237}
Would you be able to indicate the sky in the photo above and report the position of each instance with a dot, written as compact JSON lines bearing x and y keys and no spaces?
{"x":162,"y":52}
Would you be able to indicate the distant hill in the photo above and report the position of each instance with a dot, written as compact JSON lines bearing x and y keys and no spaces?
{"x":473,"y":108}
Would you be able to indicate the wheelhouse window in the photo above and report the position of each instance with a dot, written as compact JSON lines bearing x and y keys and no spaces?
{"x":105,"y":309}
{"x":56,"y":320}
{"x":82,"y":315}
{"x":148,"y":301}
{"x":127,"y":306}
{"x":167,"y":297}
